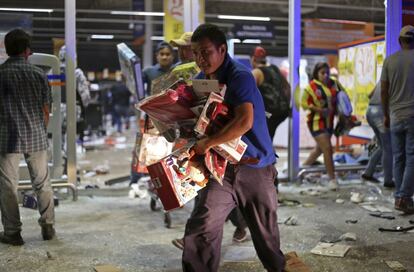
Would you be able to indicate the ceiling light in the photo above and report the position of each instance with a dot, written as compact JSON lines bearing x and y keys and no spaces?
{"x":248,"y":18}
{"x":254,"y":41}
{"x":235,"y":40}
{"x":26,"y":9}
{"x":157,"y":38}
{"x":138,"y":13}
{"x":102,"y":37}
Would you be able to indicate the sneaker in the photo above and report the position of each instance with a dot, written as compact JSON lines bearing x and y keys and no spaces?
{"x":404,"y":204}
{"x":178,"y":243}
{"x":370,"y":178}
{"x":333,"y":185}
{"x":15,"y":240}
{"x":239,"y":235}
{"x":48,"y":232}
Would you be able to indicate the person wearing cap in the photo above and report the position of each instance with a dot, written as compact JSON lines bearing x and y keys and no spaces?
{"x":274,"y":88}
{"x":184,"y":48}
{"x":397,"y":98}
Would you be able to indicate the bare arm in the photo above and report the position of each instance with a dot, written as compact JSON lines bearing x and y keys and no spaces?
{"x":46,"y":114}
{"x":239,"y":125}
{"x":258,"y":76}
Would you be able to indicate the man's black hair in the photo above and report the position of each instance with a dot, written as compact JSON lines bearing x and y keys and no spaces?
{"x":319,"y":66}
{"x":211,"y":32}
{"x":163,"y":45}
{"x":16,"y":42}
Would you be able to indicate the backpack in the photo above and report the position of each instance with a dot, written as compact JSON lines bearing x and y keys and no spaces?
{"x":275,"y":91}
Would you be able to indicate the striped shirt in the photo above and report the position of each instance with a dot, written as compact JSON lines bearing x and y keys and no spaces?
{"x":24,"y":91}
{"x":321,"y":96}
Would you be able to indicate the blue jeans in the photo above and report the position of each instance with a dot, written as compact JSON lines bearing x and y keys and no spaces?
{"x":375,"y":118}
{"x":9,"y":178}
{"x":402,"y":136}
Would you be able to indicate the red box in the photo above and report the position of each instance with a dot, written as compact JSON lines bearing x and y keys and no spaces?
{"x":174,"y":191}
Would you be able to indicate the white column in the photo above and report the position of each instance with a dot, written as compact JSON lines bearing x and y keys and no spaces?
{"x":70,"y":42}
{"x":191,"y":15}
{"x":393,"y":22}
{"x":147,"y":53}
{"x":294,"y":60}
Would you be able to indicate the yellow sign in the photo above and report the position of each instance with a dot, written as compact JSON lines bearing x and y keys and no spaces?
{"x":174,"y":17}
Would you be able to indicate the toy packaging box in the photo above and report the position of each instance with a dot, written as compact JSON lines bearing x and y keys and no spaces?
{"x":177,"y":177}
{"x":213,"y":117}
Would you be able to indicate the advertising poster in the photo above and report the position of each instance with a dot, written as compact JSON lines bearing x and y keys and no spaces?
{"x":174,"y":17}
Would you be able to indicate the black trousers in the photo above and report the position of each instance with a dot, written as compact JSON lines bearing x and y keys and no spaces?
{"x":253,"y":191}
{"x":273,"y":122}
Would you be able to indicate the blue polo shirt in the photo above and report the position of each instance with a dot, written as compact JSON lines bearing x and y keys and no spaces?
{"x":241,"y":88}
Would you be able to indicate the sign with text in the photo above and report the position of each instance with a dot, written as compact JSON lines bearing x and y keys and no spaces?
{"x":174,"y":17}
{"x":328,"y":34}
{"x":408,"y":12}
{"x":256,"y":31}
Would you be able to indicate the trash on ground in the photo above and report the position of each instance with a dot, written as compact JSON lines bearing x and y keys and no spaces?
{"x":308,"y":205}
{"x":382,"y":215}
{"x":330,"y":238}
{"x":411,"y":221}
{"x":330,"y":249}
{"x":288,"y":202}
{"x":357,"y":197}
{"x":106,"y":268}
{"x":89,"y":174}
{"x":396,"y":266}
{"x":89,"y":186}
{"x":101,"y":169}
{"x":372,"y":207}
{"x":294,"y":263}
{"x":397,"y":229}
{"x":49,"y":256}
{"x":291,"y":221}
{"x":349,"y":236}
{"x":139,"y":190}
{"x":340,"y":201}
{"x":351,"y":221}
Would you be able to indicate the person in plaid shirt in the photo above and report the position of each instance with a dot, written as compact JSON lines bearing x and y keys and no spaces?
{"x":25,"y":98}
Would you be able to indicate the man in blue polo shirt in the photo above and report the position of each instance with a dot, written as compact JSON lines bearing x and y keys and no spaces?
{"x":249,"y":184}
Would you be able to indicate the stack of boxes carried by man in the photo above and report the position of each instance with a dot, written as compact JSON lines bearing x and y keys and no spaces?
{"x":195,"y":109}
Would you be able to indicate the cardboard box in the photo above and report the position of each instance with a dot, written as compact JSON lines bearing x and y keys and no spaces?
{"x":214,"y":117}
{"x":173,"y":188}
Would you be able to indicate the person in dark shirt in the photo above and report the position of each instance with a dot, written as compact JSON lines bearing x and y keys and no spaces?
{"x":25,"y":99}
{"x":247,"y":184}
{"x":120,"y":98}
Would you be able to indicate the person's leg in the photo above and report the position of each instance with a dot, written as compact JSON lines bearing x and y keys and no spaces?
{"x":398,"y":151}
{"x":324,"y":142}
{"x":273,"y":122}
{"x":39,"y":175}
{"x":257,"y":200}
{"x":313,"y":156}
{"x":237,"y":219}
{"x":407,"y":186}
{"x":387,"y":158}
{"x":204,"y":229}
{"x":372,"y":118}
{"x":9,"y":177}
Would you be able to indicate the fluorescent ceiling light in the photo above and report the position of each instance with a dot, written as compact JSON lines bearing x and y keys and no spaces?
{"x":248,"y":18}
{"x":254,"y":41}
{"x":102,"y":37}
{"x":138,"y":13}
{"x":26,"y":9}
{"x":157,"y":38}
{"x":235,"y":40}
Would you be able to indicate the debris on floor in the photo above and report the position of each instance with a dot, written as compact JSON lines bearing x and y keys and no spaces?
{"x":382,"y":215}
{"x":330,"y":249}
{"x":357,"y":197}
{"x":396,"y":266}
{"x":351,"y":221}
{"x":349,"y":236}
{"x":294,"y":263}
{"x":106,"y":268}
{"x":291,"y":221}
{"x":340,"y":201}
{"x":372,"y":207}
{"x":397,"y":229}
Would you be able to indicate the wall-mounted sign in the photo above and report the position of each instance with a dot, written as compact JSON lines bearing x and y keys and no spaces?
{"x":408,"y":12}
{"x":174,"y":17}
{"x":254,"y":31}
{"x":328,"y":34}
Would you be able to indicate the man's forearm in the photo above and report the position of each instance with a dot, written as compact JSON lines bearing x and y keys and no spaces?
{"x":46,"y":113}
{"x":235,"y":128}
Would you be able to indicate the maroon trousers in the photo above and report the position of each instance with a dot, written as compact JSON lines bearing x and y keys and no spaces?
{"x":253,"y":191}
